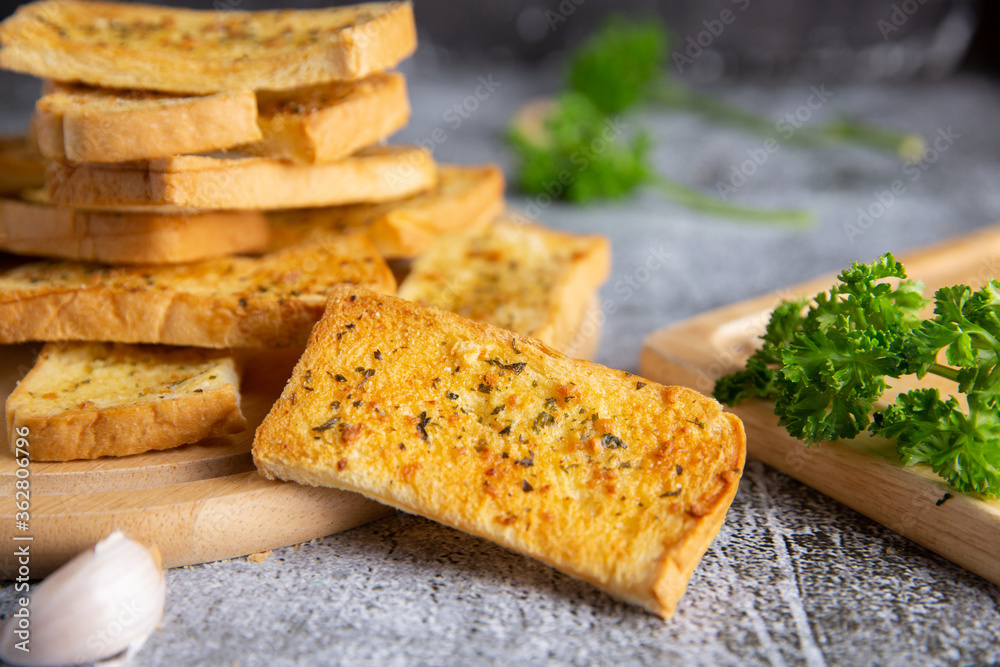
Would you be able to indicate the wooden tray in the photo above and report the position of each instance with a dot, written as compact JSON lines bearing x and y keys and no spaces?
{"x":862,"y":473}
{"x":197,"y":503}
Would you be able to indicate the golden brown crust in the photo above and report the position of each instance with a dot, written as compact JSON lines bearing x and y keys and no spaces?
{"x":233,"y":302}
{"x":465,"y":198}
{"x":242,"y":183}
{"x":79,"y":124}
{"x":515,"y":275}
{"x":87,"y":400}
{"x":315,"y":124}
{"x":29,"y":228}
{"x":330,"y":121}
{"x":401,"y":236}
{"x":146,"y":47}
{"x":609,"y":477}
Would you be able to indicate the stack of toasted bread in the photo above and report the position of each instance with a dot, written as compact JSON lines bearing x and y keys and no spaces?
{"x":204,"y":181}
{"x":209,"y":126}
{"x":165,"y":143}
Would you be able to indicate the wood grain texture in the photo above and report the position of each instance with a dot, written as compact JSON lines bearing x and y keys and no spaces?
{"x":863,"y":473}
{"x":190,"y":523}
{"x":197,"y":503}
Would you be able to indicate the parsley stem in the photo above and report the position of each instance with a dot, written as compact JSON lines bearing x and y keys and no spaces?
{"x":946,"y":372}
{"x":712,"y":108}
{"x":703,"y":203}
{"x":908,"y":146}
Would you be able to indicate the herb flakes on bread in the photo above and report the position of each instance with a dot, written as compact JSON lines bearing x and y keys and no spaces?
{"x":522,"y":277}
{"x":149,"y":47}
{"x":608,"y":477}
{"x":87,"y":400}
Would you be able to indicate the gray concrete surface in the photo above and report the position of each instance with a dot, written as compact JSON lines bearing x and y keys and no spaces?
{"x":794,"y":578}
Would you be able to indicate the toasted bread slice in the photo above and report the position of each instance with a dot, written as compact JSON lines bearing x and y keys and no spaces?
{"x":148,"y":47}
{"x":606,"y":476}
{"x":240,"y":182}
{"x":86,"y":400}
{"x":21,"y":166}
{"x":320,"y":123}
{"x":36,"y":228}
{"x":330,"y":121}
{"x":465,"y":198}
{"x":236,"y":302}
{"x":82,"y":124}
{"x":522,"y":277}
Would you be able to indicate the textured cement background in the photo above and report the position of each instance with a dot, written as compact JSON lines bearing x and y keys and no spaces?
{"x":794,"y":578}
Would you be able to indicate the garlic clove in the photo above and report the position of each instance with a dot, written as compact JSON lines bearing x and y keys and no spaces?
{"x":102,"y":604}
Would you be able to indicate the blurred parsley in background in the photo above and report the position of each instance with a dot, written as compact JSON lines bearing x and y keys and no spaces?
{"x":572,"y":147}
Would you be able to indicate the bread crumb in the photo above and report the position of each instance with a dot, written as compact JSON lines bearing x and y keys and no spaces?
{"x":259,"y":557}
{"x":466,"y":350}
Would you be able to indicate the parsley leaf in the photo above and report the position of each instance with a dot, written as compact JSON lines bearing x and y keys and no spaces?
{"x":823,"y":358}
{"x":830,"y":380}
{"x":621,"y":66}
{"x":963,"y":449}
{"x":577,"y":152}
{"x":616,"y":67}
{"x":759,"y":378}
{"x":824,"y":362}
{"x":568,"y":149}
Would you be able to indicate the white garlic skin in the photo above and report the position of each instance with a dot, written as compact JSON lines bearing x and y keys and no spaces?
{"x":104,"y":601}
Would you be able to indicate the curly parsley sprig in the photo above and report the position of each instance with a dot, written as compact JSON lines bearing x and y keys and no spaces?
{"x":824,"y":362}
{"x":621,"y":66}
{"x":568,"y":149}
